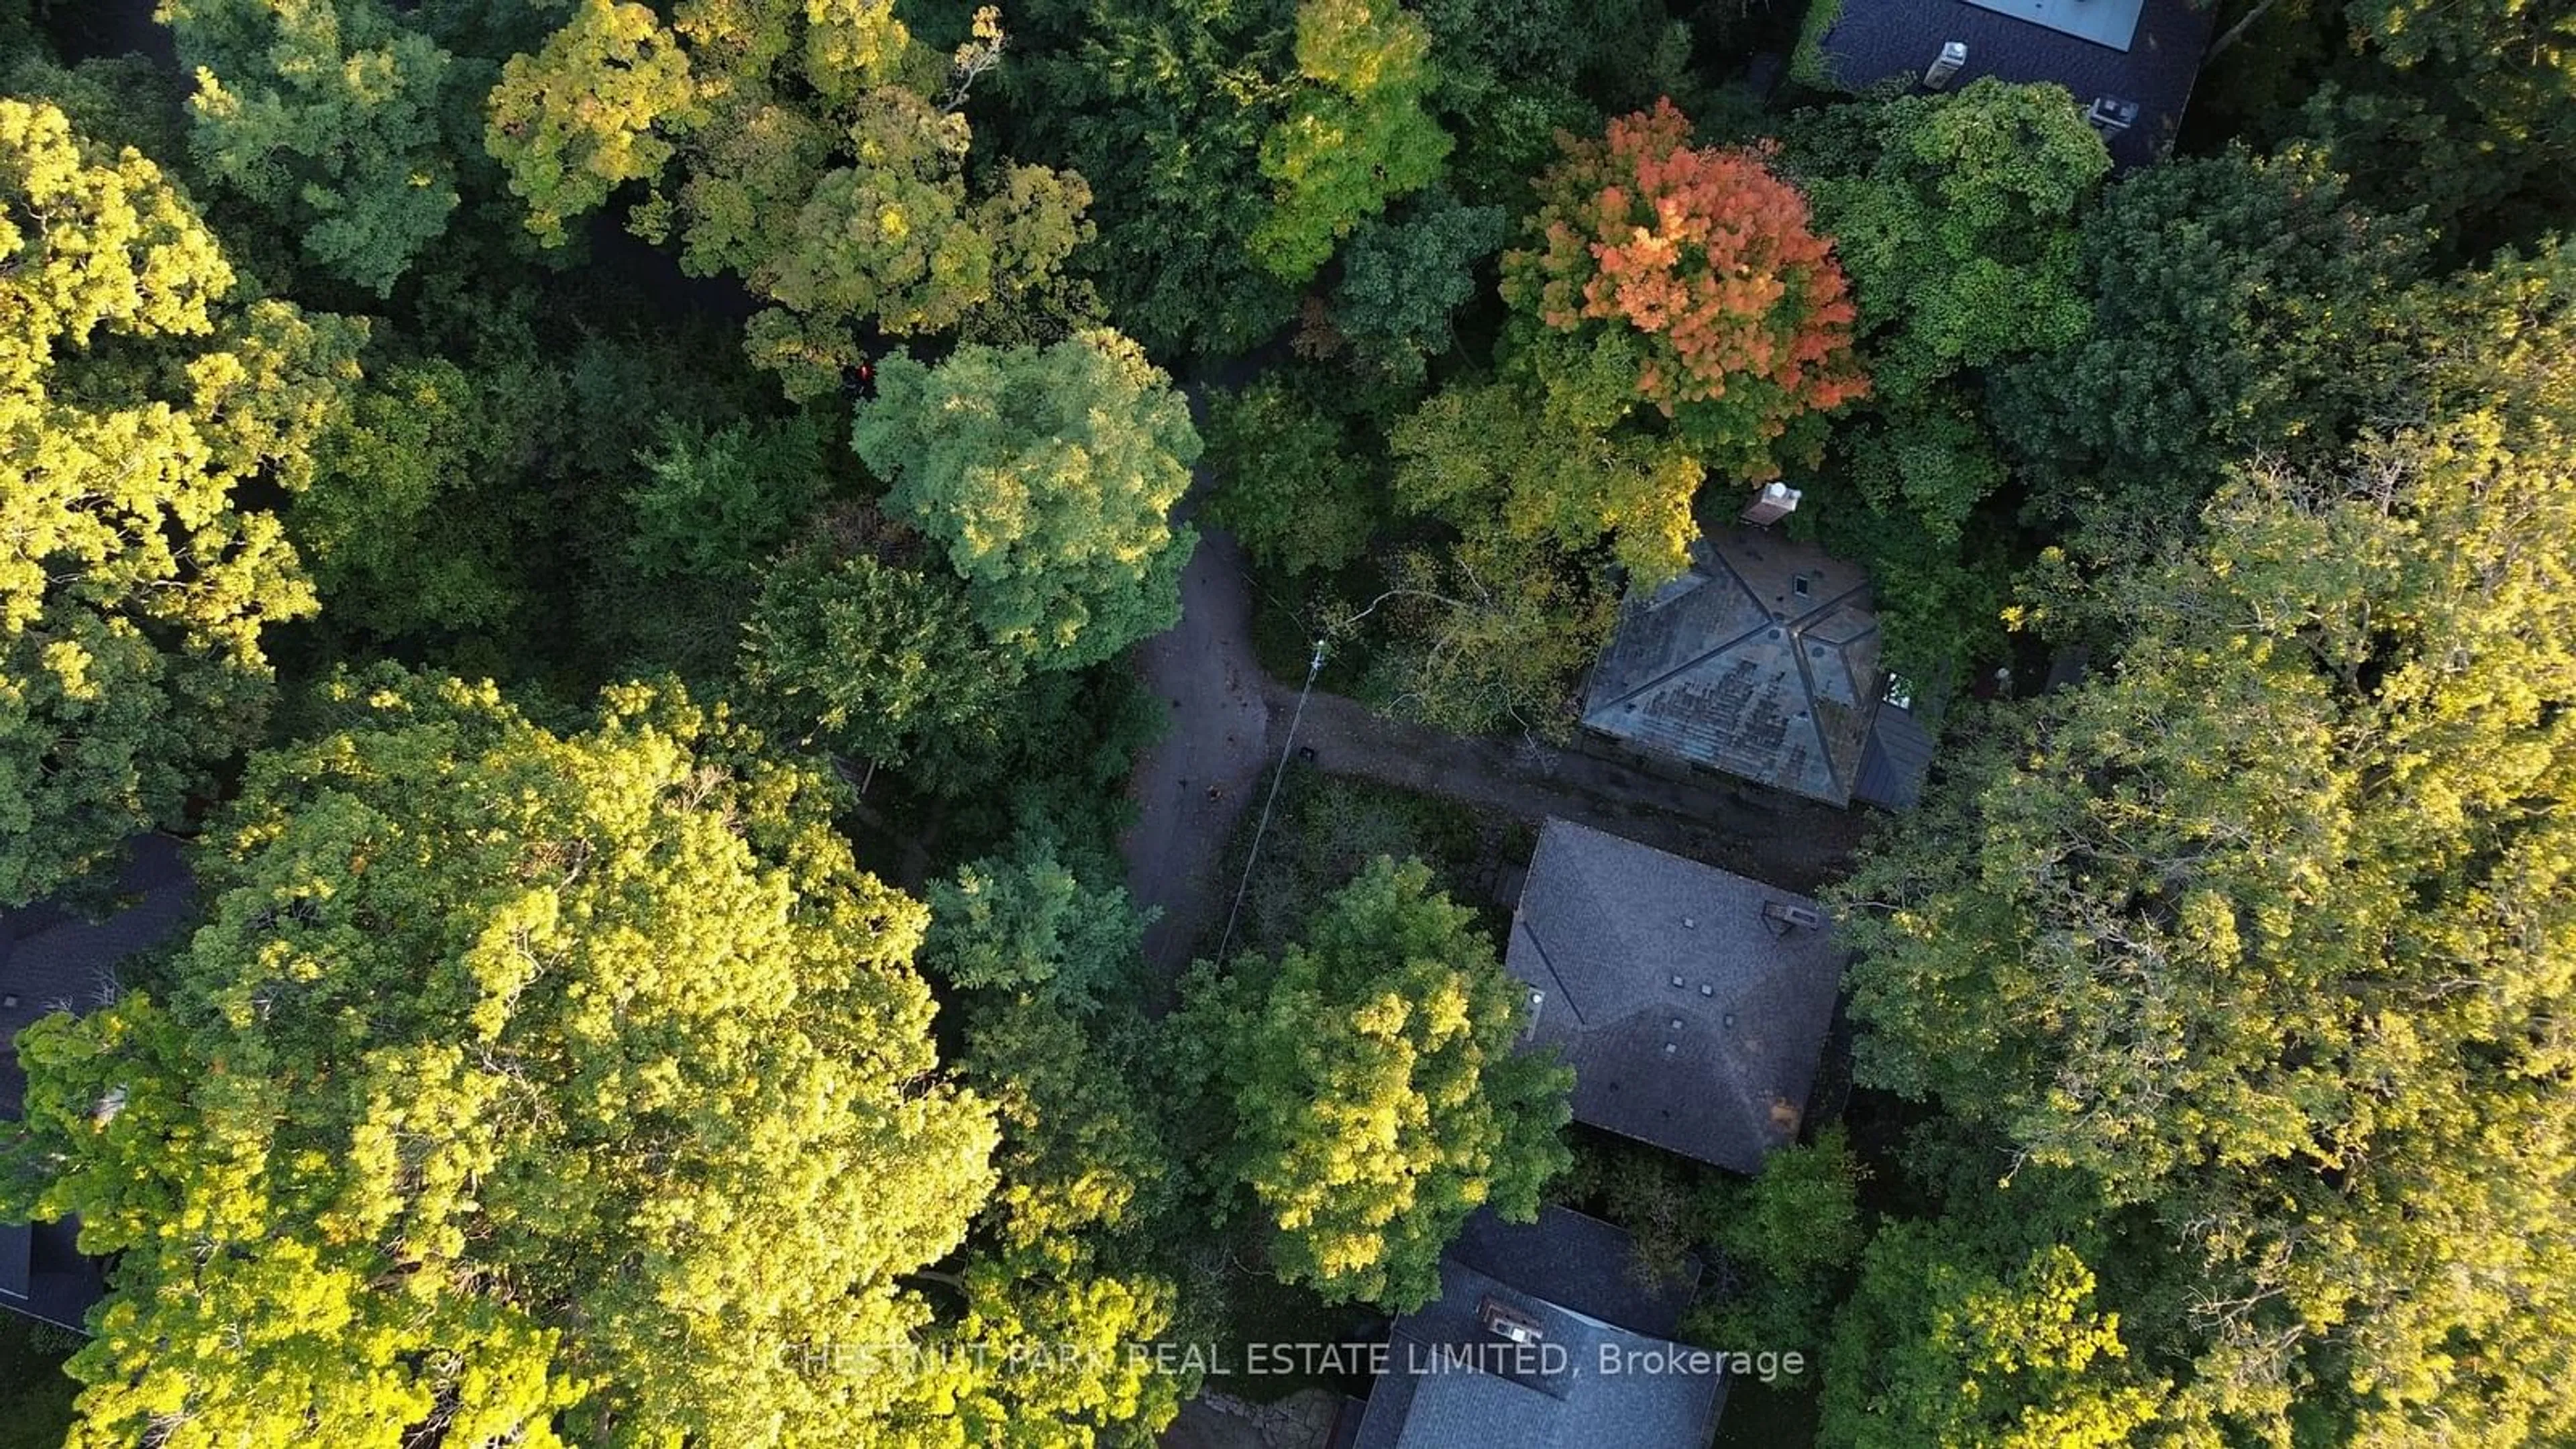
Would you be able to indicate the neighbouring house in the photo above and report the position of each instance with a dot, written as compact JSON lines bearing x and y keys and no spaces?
{"x":53,"y":960}
{"x":1762,"y":660}
{"x":1691,"y":1003}
{"x":1512,"y":1353}
{"x":2129,"y":63}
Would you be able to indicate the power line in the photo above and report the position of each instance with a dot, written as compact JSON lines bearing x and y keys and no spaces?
{"x":1252,"y":857}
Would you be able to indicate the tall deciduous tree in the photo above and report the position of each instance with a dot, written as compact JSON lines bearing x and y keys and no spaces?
{"x":1956,"y":215}
{"x":1355,"y":137}
{"x":867,"y":658}
{"x":520,"y":1085}
{"x":1405,"y":277}
{"x":2240,"y":306}
{"x":1485,"y":460}
{"x":134,"y":591}
{"x":2269,"y":927}
{"x":1377,"y":1096}
{"x":1938,"y":1350}
{"x":325,"y":115}
{"x":1687,"y":278}
{"x":821,"y":156}
{"x":1048,"y":478}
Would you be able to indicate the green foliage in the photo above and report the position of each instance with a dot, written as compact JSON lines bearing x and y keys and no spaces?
{"x":1378,"y":1098}
{"x":1047,"y":477}
{"x":1788,"y":1236}
{"x":867,"y":658}
{"x":590,"y":111}
{"x":715,"y":503}
{"x":134,"y":591}
{"x":1292,"y":483}
{"x":404,"y":527}
{"x":2264,"y":928}
{"x":814,"y":160}
{"x":1404,"y":278}
{"x":1490,"y":636}
{"x":1355,"y":136}
{"x":521,"y":1083}
{"x":1938,"y":1350}
{"x":2240,"y":308}
{"x":1481,"y":458}
{"x":325,"y":116}
{"x":1956,"y":215}
{"x":1023,"y":921}
{"x":1164,"y":109}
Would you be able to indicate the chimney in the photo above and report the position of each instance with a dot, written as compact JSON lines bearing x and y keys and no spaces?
{"x":1508,"y":1323}
{"x":1953,"y":57}
{"x":1776,"y":501}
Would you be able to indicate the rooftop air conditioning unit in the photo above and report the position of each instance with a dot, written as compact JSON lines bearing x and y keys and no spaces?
{"x":1953,"y":59}
{"x":1776,"y":501}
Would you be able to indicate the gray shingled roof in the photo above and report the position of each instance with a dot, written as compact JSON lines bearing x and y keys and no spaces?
{"x":1761,"y":661}
{"x":1604,"y":927}
{"x":1576,"y":1262}
{"x":53,"y":960}
{"x":1451,"y":1383}
{"x":1873,"y":40}
{"x":1897,"y":758}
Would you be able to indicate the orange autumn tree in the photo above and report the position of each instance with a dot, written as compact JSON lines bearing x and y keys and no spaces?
{"x":1687,"y":278}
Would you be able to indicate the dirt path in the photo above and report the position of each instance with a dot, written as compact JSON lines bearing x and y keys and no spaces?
{"x":1191,"y":787}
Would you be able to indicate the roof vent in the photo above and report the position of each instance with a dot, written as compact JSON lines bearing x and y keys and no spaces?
{"x":1677,"y":981}
{"x":1509,"y":1323}
{"x":1782,"y":917}
{"x":1671,"y":1047}
{"x":1707,"y":990}
{"x":1689,"y":923}
{"x":1953,"y":57}
{"x":1677,"y":1023}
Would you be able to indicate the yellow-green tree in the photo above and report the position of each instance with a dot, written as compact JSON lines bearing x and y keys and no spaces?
{"x":819,"y":153}
{"x":2267,"y":930}
{"x":1048,"y":478}
{"x":1377,"y":1098}
{"x":137,"y":390}
{"x":520,"y":1088}
{"x":1355,"y":137}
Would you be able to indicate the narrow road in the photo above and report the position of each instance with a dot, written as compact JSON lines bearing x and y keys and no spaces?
{"x":1192,"y":788}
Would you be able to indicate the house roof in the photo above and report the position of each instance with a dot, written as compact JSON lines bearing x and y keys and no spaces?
{"x":1452,"y":1383}
{"x":1576,"y":1262}
{"x":52,"y":959}
{"x":1761,"y":660}
{"x":1875,"y":40}
{"x":1896,"y":759}
{"x":1603,"y":929}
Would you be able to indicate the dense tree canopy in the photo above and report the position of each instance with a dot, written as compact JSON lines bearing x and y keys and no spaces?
{"x":821,"y":157}
{"x":138,"y":391}
{"x":2267,"y":927}
{"x":1048,"y":478}
{"x":325,"y":115}
{"x":1687,"y":278}
{"x":520,"y":1083}
{"x":1377,"y":1096}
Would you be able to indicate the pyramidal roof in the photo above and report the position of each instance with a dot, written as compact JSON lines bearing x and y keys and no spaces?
{"x":1761,"y":661}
